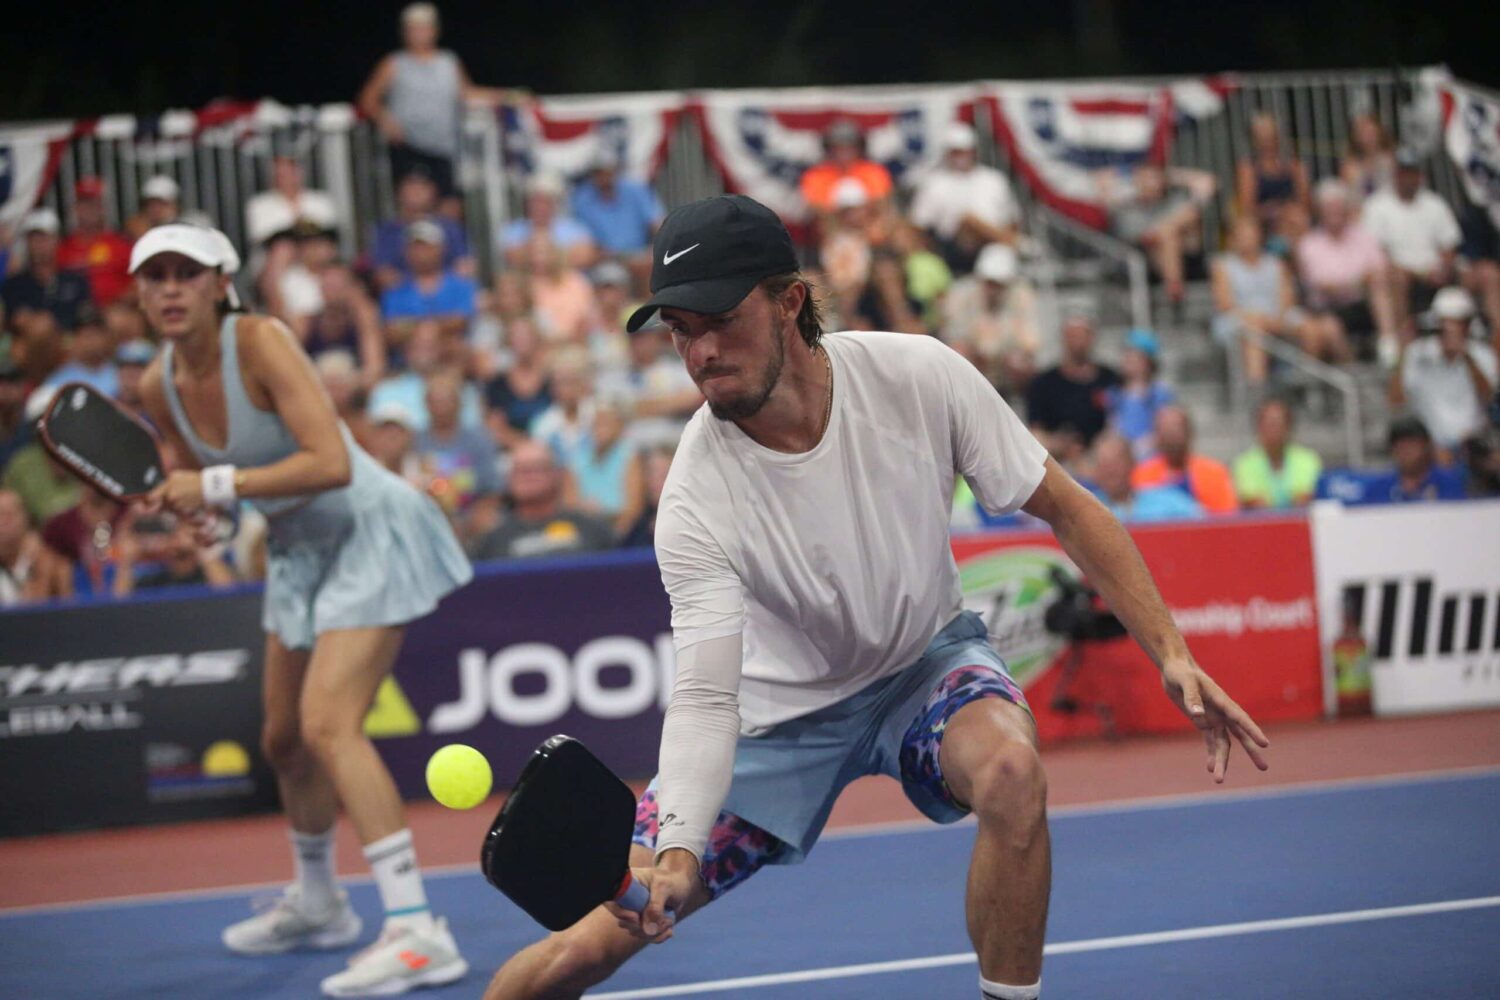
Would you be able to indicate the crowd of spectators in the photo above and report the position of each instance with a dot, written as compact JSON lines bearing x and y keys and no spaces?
{"x":518,"y":402}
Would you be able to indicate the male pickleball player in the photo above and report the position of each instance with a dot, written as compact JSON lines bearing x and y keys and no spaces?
{"x":816,"y":609}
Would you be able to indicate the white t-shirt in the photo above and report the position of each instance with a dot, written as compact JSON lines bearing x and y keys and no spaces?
{"x":1441,"y":392}
{"x":834,"y":564}
{"x":1414,"y":234}
{"x":945,"y":196}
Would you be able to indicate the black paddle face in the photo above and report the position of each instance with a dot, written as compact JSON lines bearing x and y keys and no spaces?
{"x":561,"y":843}
{"x":100,"y":443}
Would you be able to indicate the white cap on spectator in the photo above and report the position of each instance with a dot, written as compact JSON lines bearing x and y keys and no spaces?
{"x":959,"y":135}
{"x":426,"y":231}
{"x":997,"y":262}
{"x":391,"y":412}
{"x":337,"y":363}
{"x":546,"y":183}
{"x":1333,"y":189}
{"x":849,"y":193}
{"x":604,"y":158}
{"x":1453,"y":303}
{"x":610,"y":272}
{"x":41,"y":220}
{"x":419,"y":13}
{"x":160,"y":188}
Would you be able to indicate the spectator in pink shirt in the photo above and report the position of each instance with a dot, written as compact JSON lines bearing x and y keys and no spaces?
{"x":563,"y":296}
{"x":1343,"y":272}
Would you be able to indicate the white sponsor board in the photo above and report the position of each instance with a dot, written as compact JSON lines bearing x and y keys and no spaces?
{"x":1422,"y":581}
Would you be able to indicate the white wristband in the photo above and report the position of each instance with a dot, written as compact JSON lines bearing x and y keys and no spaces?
{"x":218,"y":486}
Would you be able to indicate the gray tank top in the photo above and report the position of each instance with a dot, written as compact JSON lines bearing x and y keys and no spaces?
{"x":257,"y":438}
{"x":424,"y":98}
{"x":1258,"y":288}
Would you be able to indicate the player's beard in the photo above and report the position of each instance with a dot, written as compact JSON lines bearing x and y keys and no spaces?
{"x":748,"y":405}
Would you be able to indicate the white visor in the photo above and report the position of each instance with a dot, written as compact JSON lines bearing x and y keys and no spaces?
{"x":206,"y":245}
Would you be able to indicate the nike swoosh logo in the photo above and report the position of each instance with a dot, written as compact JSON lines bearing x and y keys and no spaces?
{"x":667,"y":258}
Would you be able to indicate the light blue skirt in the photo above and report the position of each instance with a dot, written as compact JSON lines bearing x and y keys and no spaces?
{"x":384,"y":557}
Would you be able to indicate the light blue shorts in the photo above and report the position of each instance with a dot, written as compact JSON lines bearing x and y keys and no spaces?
{"x":786,"y":781}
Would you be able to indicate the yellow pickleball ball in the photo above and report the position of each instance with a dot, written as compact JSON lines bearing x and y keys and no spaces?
{"x":459,"y":777}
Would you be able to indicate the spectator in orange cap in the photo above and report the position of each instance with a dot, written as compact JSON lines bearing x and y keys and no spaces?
{"x":843,"y":145}
{"x":1176,"y":464}
{"x":93,"y":248}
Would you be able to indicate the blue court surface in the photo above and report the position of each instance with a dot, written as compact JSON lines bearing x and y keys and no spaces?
{"x":1383,"y":888}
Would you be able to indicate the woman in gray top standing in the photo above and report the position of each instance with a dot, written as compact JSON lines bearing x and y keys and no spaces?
{"x":416,"y":97}
{"x":353,"y":555}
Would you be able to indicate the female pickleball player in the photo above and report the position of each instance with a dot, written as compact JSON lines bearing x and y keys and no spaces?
{"x":354,"y":553}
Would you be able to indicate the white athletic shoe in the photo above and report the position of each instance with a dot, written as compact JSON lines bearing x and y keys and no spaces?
{"x":283,"y":924}
{"x":401,"y":959}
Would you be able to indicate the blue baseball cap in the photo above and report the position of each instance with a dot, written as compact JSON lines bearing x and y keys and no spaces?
{"x":1143,"y":340}
{"x":135,"y":352}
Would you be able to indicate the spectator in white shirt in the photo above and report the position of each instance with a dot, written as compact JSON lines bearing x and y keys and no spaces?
{"x":274,"y":218}
{"x":1419,"y":234}
{"x":990,"y":317}
{"x":1447,"y":380}
{"x":277,"y":211}
{"x":963,"y":204}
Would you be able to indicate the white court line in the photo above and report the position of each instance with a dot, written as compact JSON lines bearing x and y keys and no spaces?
{"x":1060,"y":948}
{"x":894,"y":827}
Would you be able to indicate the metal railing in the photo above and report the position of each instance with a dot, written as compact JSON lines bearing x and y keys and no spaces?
{"x":1332,"y":376}
{"x":1068,"y":240}
{"x":221,"y":166}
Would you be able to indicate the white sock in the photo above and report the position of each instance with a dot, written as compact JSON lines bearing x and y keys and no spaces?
{"x":1000,"y":991}
{"x":393,"y":861}
{"x":312,"y":860}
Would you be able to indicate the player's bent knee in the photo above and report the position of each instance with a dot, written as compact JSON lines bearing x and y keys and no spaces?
{"x":283,"y":747}
{"x":1009,"y":786}
{"x":323,"y":732}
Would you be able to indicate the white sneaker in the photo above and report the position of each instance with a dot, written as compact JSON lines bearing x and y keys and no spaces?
{"x":402,"y":958}
{"x":282,"y":924}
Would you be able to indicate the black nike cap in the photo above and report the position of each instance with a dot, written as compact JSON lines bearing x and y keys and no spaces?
{"x":710,"y":254}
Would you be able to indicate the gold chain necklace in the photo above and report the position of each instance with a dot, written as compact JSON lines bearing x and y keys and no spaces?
{"x":828,"y":407}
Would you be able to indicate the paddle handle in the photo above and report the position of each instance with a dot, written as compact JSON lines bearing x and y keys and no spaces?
{"x":633,"y":895}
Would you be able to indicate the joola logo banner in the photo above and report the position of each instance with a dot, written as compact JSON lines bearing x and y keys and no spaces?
{"x":1420,"y":585}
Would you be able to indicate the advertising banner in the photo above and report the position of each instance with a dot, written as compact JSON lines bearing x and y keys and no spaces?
{"x":131,"y":713}
{"x":1416,"y":588}
{"x":582,"y":647}
{"x":149,"y":710}
{"x":1241,"y":591}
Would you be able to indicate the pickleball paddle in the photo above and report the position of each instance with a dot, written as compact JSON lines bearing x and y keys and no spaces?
{"x":102,"y":443}
{"x":560,"y":846}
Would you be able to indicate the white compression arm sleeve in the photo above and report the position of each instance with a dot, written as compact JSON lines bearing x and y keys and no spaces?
{"x":698,"y":739}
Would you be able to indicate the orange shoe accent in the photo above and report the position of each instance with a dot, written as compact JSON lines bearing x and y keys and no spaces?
{"x":413,"y":960}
